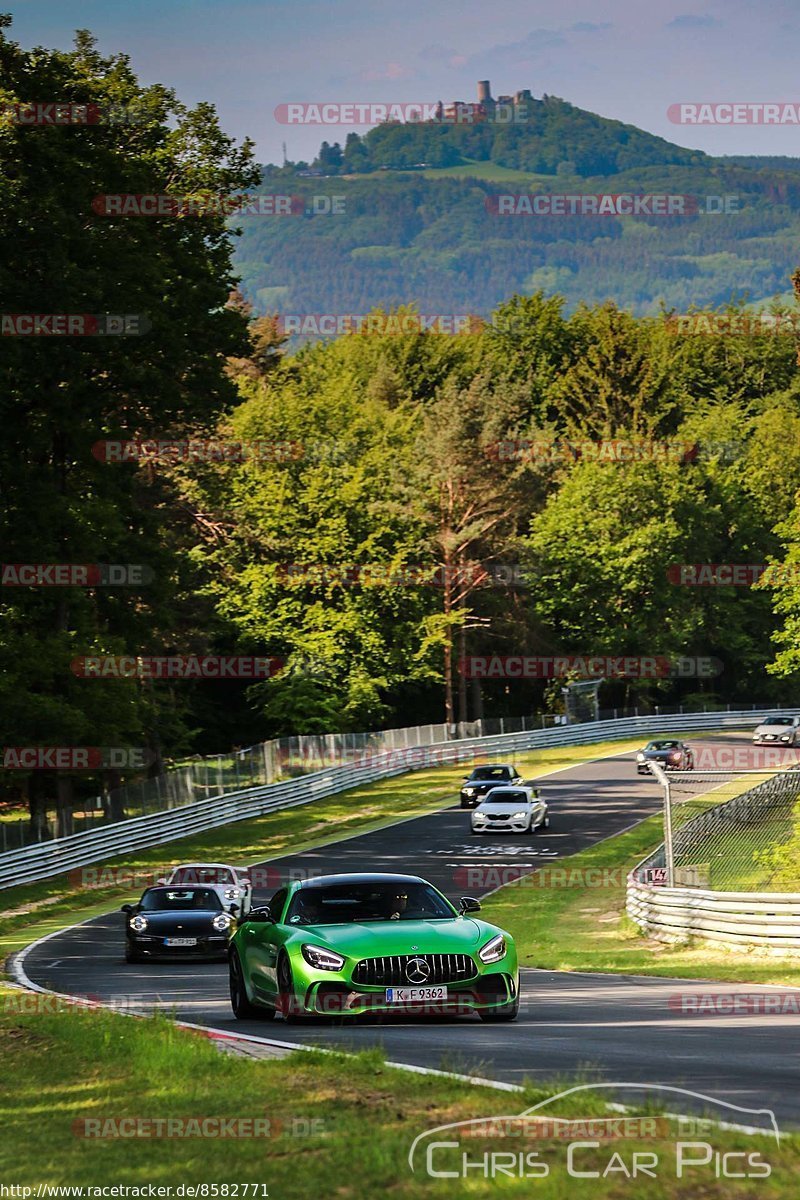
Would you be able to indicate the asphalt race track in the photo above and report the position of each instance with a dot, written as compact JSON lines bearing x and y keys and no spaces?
{"x":610,"y":1028}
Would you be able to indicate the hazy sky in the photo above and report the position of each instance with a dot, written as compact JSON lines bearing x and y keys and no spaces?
{"x":625,"y":59}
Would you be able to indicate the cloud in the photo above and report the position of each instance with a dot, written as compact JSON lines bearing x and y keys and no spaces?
{"x":692,"y":21}
{"x":438,"y":53}
{"x":390,"y":70}
{"x":589,"y":27}
{"x":435,"y":53}
{"x":521,"y":54}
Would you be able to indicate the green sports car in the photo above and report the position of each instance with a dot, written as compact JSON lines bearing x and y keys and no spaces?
{"x":355,"y":944}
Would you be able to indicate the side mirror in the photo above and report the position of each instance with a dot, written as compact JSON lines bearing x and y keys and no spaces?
{"x":465,"y":779}
{"x":232,"y":910}
{"x":468,"y":904}
{"x":127,"y":908}
{"x":261,"y":916}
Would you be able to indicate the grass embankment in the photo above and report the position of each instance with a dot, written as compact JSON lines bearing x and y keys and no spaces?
{"x":572,"y":918}
{"x":341,"y":1126}
{"x":36,"y":909}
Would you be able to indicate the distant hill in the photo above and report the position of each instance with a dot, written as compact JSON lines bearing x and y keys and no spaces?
{"x":431,"y":234}
{"x":554,"y":135}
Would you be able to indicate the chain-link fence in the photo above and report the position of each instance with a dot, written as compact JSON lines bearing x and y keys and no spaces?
{"x":731,"y":833}
{"x":283,"y":758}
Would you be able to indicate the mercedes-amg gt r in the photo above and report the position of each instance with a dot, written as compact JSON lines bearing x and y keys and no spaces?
{"x":357,"y":944}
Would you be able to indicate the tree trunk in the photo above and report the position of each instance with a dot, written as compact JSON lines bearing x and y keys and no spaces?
{"x":462,"y":678}
{"x":448,"y":646}
{"x":64,"y":793}
{"x":37,"y":802}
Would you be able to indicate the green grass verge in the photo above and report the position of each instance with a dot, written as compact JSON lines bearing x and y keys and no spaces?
{"x":39,"y":908}
{"x":493,"y":173}
{"x":329,"y":1124}
{"x":572,"y":918}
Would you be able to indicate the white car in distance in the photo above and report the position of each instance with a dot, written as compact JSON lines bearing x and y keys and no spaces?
{"x":231,"y":885}
{"x":510,"y":810}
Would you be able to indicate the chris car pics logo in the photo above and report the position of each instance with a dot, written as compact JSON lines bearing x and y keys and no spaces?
{"x":623,"y":1147}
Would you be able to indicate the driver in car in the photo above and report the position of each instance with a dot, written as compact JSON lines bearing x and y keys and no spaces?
{"x":397,"y":906}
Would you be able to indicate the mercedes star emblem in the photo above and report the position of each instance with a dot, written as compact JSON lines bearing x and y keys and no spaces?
{"x":417,"y":970}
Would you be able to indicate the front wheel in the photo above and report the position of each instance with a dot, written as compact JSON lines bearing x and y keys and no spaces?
{"x":288,"y":1003}
{"x":243,"y":1008}
{"x":507,"y":1012}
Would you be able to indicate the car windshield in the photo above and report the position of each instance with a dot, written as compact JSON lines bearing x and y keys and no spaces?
{"x":349,"y":903}
{"x":779,"y":721}
{"x":510,"y":796}
{"x":171,"y":899}
{"x":482,"y":773}
{"x":661,"y":746}
{"x":189,"y":875}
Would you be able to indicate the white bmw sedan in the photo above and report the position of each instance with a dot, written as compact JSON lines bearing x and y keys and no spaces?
{"x":510,"y":810}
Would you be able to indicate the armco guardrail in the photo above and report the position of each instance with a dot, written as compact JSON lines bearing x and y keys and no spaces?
{"x":738,"y":918}
{"x":675,"y":914}
{"x":46,"y":859}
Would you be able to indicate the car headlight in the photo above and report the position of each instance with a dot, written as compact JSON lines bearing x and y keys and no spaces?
{"x":786,"y":737}
{"x":640,"y":758}
{"x":520,"y":816}
{"x":138,"y":923}
{"x":478,"y":816}
{"x":469,"y":791}
{"x":231,"y":893}
{"x":494,"y":950}
{"x":322,"y":959}
{"x":221,"y":922}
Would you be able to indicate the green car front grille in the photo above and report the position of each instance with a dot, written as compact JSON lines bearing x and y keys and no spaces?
{"x":393,"y":969}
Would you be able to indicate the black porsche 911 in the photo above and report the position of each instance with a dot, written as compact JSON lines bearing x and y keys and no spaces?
{"x":177,"y":922}
{"x":483,"y":779}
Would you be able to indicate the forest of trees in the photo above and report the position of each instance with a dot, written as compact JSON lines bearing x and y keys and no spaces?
{"x":385,"y":514}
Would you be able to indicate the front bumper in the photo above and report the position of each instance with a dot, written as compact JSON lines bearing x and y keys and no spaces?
{"x":316,"y":992}
{"x":338,"y":998}
{"x":511,"y":826}
{"x":215,"y":947}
